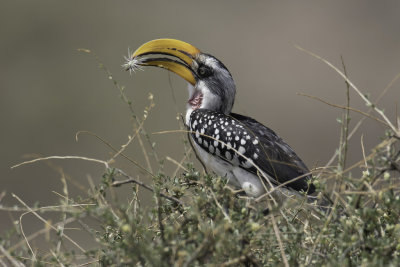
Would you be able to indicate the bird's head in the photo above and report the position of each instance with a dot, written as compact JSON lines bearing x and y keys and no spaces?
{"x":211,"y":85}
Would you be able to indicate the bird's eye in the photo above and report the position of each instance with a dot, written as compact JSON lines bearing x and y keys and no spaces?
{"x":204,"y":71}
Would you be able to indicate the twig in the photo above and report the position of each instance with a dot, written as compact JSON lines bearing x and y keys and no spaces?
{"x":159,"y":215}
{"x":88,"y":263}
{"x":120,"y":153}
{"x":359,"y":123}
{"x":13,"y":261}
{"x":363,"y":97}
{"x":62,"y":226}
{"x":220,"y":207}
{"x":236,"y":261}
{"x":347,"y":119}
{"x":132,"y":180}
{"x":198,"y":250}
{"x":61,"y":157}
{"x":42,"y":231}
{"x":370,"y":156}
{"x":278,"y":237}
{"x":358,"y":201}
{"x":327,"y":222}
{"x":342,"y":151}
{"x":2,"y":263}
{"x":346,"y":108}
{"x":146,"y":156}
{"x":44,"y":221}
{"x":121,"y":90}
{"x":55,"y":256}
{"x":363,"y":151}
{"x":101,"y":200}
{"x":179,"y":164}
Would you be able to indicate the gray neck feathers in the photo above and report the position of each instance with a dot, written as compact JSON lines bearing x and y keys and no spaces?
{"x":222,"y":89}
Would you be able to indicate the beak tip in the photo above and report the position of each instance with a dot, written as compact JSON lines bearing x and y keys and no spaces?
{"x":131,"y":64}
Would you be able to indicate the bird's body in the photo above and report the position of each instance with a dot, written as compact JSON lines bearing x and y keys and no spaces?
{"x":245,"y":151}
{"x":227,"y":148}
{"x":250,"y":155}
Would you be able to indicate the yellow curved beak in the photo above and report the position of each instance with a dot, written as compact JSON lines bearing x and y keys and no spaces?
{"x":183,"y":51}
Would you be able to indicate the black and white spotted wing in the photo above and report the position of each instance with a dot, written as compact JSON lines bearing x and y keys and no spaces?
{"x":218,"y":133}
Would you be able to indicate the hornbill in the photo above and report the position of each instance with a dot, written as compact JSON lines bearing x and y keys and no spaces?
{"x":250,"y":155}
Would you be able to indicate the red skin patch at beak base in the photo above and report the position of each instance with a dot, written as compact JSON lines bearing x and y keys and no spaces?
{"x":196,"y":100}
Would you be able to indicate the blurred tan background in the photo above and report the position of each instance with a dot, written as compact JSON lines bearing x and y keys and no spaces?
{"x":49,"y":90}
